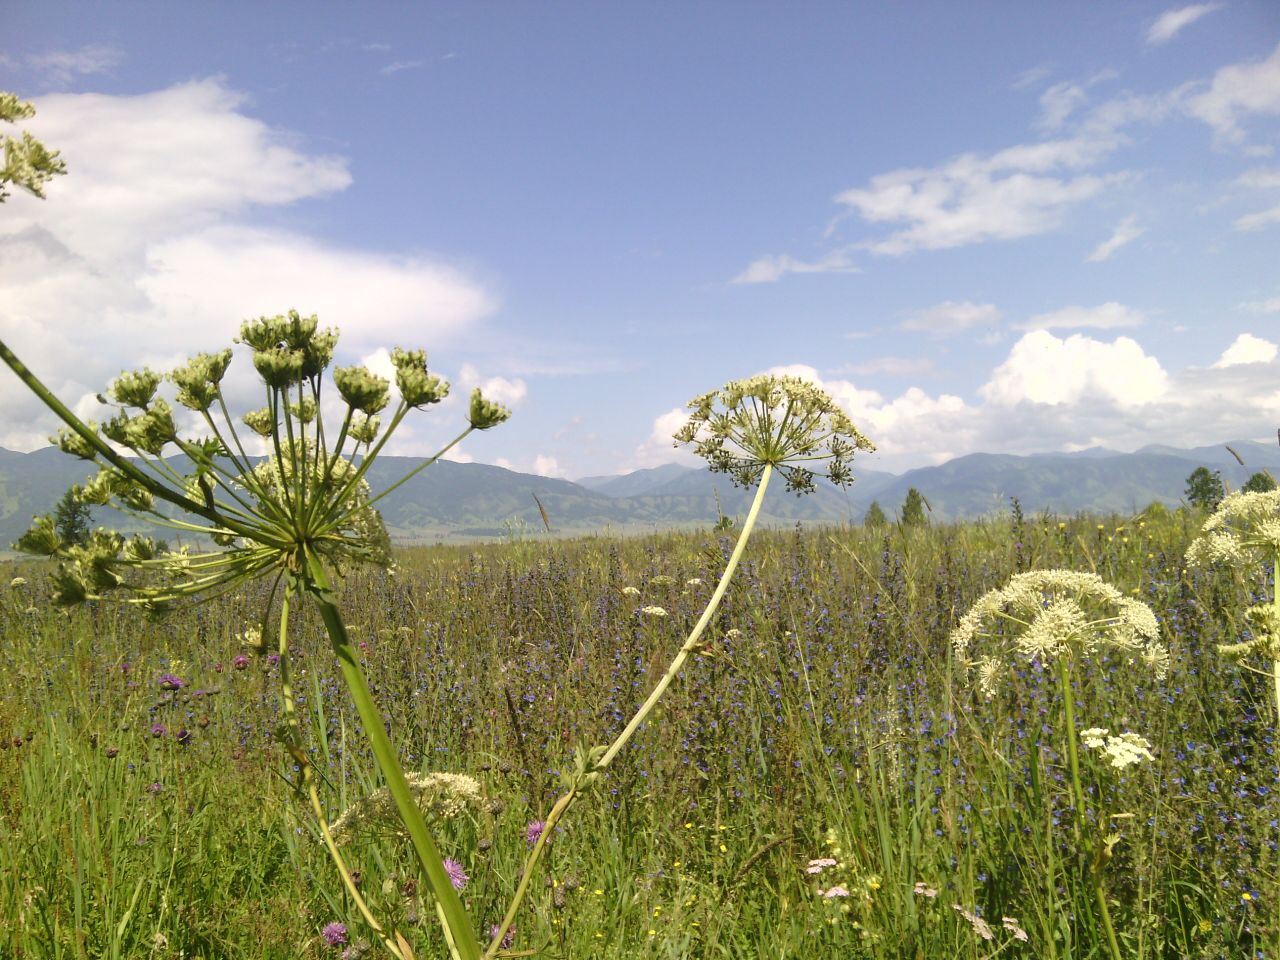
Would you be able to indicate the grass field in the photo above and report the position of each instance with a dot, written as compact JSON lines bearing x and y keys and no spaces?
{"x":828,"y":721}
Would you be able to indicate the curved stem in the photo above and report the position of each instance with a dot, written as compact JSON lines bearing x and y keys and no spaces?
{"x":459,"y":932}
{"x":563,"y":804}
{"x":690,"y":644}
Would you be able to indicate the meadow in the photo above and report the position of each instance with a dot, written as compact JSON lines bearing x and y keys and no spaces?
{"x":826,"y":740}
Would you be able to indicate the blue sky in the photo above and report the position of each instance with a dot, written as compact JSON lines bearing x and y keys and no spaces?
{"x":1005,"y":227}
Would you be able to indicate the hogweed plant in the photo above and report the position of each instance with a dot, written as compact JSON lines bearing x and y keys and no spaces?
{"x":748,"y":429}
{"x":1060,"y":618}
{"x":296,"y":514}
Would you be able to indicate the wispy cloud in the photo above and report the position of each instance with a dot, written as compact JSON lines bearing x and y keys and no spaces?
{"x":1256,"y":221}
{"x":1270,"y":305}
{"x":1170,"y":23}
{"x":396,"y":66}
{"x":1236,"y":91}
{"x":1125,"y":232}
{"x":61,"y":66}
{"x":770,"y":269}
{"x":1106,"y":316}
{"x":951,"y":316}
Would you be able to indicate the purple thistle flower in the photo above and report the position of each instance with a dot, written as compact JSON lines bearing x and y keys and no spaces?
{"x":534,"y":831}
{"x":169,"y":682}
{"x":183,"y":736}
{"x":240,"y":661}
{"x":158,"y":730}
{"x":335,"y":934}
{"x":508,"y":940}
{"x":457,"y":876}
{"x":273,"y":658}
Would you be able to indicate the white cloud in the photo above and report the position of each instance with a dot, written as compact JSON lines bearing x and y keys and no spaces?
{"x":1169,"y":23}
{"x":1126,"y":231}
{"x":951,"y":316}
{"x":973,"y":199}
{"x":1256,"y":221}
{"x":659,"y":447}
{"x":1235,"y":92}
{"x":1105,"y":316}
{"x":142,"y":254}
{"x":61,"y":66}
{"x":770,"y":269}
{"x":1270,"y":305}
{"x":1247,"y":348}
{"x":545,"y":466}
{"x":1043,"y":369}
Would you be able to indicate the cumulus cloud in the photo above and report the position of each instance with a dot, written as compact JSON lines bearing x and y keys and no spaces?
{"x":1106,"y":316}
{"x":1056,"y":394}
{"x":1247,"y":348}
{"x":1171,"y":22}
{"x":951,"y":316}
{"x":508,"y":392}
{"x":545,"y":466}
{"x":144,"y":253}
{"x":1043,"y":369}
{"x":973,"y":199}
{"x":1125,"y":232}
{"x":659,"y":448}
{"x":1235,"y":92}
{"x":770,"y":269}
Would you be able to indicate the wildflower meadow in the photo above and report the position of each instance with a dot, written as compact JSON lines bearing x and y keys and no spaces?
{"x":826,"y":778}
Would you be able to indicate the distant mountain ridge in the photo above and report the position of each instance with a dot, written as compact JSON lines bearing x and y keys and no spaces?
{"x":468,"y":501}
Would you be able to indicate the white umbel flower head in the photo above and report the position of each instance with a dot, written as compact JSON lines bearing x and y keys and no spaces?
{"x":1122,"y":750}
{"x":1244,"y":530}
{"x":1048,"y":614}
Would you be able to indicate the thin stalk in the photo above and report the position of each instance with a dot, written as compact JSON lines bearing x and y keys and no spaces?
{"x":293,"y":746}
{"x":457,"y":925}
{"x":1073,"y":754}
{"x":621,"y":740}
{"x":563,"y":804}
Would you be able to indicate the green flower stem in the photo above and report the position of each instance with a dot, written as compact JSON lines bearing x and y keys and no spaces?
{"x":292,"y":743}
{"x":1073,"y":755}
{"x":458,"y":928}
{"x":699,"y":627}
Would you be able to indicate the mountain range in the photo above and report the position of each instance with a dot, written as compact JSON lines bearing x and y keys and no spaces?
{"x":470,"y":501}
